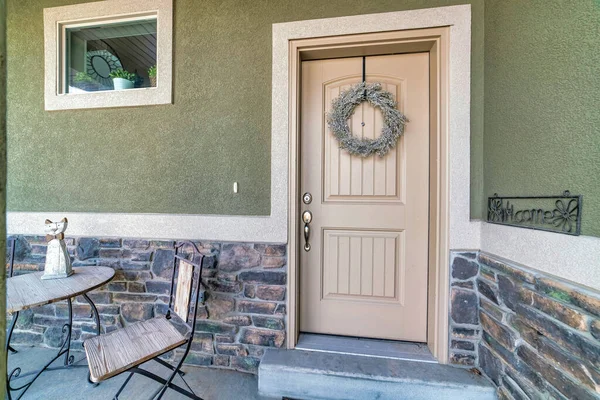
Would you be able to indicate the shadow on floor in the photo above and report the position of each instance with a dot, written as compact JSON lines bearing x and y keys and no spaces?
{"x":72,"y":384}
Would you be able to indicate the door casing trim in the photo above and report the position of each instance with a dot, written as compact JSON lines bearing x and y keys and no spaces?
{"x":303,"y":43}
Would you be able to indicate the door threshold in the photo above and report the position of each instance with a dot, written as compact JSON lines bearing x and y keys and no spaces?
{"x":377,"y":348}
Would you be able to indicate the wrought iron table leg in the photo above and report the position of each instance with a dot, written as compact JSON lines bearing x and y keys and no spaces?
{"x":97,"y":320}
{"x":64,"y":349}
{"x":13,"y":323}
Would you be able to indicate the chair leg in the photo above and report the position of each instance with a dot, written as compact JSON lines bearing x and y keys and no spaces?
{"x":166,"y":384}
{"x":123,"y":386}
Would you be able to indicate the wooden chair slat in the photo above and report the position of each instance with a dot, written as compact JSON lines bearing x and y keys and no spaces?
{"x":115,"y":352}
{"x":184,"y":289}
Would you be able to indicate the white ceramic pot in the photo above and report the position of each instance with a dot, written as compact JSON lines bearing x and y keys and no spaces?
{"x":121,"y":83}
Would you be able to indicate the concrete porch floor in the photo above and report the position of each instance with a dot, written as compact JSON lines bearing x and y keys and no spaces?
{"x":67,"y":384}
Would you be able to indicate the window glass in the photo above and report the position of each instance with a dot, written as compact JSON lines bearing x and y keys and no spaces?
{"x":115,"y":56}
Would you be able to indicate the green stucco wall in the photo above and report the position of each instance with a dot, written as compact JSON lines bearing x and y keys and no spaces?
{"x":542,"y":101}
{"x":180,"y":158}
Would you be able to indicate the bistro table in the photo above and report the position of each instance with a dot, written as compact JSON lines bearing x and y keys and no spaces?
{"x":29,"y":290}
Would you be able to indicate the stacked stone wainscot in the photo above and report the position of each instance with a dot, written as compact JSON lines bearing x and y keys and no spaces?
{"x":539,"y":336}
{"x":244,"y":312}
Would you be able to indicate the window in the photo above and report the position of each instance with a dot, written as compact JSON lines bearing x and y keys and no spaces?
{"x":108,"y":54}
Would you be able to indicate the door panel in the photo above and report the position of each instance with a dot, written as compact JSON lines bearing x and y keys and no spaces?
{"x":366,"y":272}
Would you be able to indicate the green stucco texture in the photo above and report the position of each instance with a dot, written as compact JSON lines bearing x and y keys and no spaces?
{"x":542,"y":101}
{"x":179,"y":158}
{"x":534,"y":121}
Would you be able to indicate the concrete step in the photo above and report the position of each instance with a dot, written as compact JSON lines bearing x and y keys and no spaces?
{"x":309,"y":375}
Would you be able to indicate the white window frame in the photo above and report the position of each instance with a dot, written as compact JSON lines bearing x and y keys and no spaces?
{"x":58,"y":19}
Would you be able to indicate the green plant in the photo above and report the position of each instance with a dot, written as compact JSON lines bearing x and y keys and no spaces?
{"x":152,"y":71}
{"x":82,"y":77}
{"x":121,"y":73}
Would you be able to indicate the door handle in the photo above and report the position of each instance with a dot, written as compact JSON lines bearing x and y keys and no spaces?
{"x":306,"y":218}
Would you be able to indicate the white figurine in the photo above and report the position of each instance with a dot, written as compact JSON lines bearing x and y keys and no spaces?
{"x":58,"y":262}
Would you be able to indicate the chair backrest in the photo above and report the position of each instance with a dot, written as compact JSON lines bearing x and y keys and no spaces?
{"x":186,"y":283}
{"x":12,"y":244}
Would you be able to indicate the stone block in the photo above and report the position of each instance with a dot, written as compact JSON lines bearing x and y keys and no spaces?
{"x":274,"y":262}
{"x":162,"y":244}
{"x":256,"y":351}
{"x":101,"y":297}
{"x":464,"y":307}
{"x":266,"y":277}
{"x":487,"y":274}
{"x":232,"y":349}
{"x":226,"y":276}
{"x":25,"y":319}
{"x":26,"y":337}
{"x":162,"y":263}
{"x":110,"y":309}
{"x":463,"y":284}
{"x":491,"y":308}
{"x":23,"y":248}
{"x":458,"y":358}
{"x":268,"y":322}
{"x":137,"y":255}
{"x":552,"y":353}
{"x":509,"y":269}
{"x":255,"y":307}
{"x":136,"y":266}
{"x":220,"y":360}
{"x":134,"y":298}
{"x":110,"y":253}
{"x":117,"y":286}
{"x":110,"y":242}
{"x":562,"y":312}
{"x":194,"y":358}
{"x":215,"y":327}
{"x":497,"y":330}
{"x":250,"y":291}
{"x":224,"y":338}
{"x":235,"y":257}
{"x":512,"y":292}
{"x":136,"y":287}
{"x":462,"y":345}
{"x":136,"y":244}
{"x":487,"y":289}
{"x":280,"y":310}
{"x":268,"y":292}
{"x":158,"y":287}
{"x":465,"y":333}
{"x":553,"y":375}
{"x":595,"y":329}
{"x":271,"y":250}
{"x":54,"y":336}
{"x":203,"y":342}
{"x":463,"y":269}
{"x":245,"y":364}
{"x":239,"y":320}
{"x":88,"y":248}
{"x":133,"y":312}
{"x":490,"y":364}
{"x":224,"y":286}
{"x":580,"y":297}
{"x":562,"y":335}
{"x":219,"y":305}
{"x":140,"y":276}
{"x":262,"y":337}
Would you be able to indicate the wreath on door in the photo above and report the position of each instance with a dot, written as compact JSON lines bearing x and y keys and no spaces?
{"x":343,"y":107}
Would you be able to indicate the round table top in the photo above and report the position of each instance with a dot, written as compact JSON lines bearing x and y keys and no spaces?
{"x":29,"y":290}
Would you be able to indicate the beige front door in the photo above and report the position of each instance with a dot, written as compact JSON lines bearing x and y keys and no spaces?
{"x":366,"y":272}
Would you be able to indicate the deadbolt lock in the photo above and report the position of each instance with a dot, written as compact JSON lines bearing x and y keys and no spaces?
{"x":307,"y":198}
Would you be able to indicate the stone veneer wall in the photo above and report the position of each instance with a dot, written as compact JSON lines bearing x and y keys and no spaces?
{"x":245,"y":296}
{"x":534,"y":335}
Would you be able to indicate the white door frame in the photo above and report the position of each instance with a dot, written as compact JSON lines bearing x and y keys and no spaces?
{"x":453,"y":228}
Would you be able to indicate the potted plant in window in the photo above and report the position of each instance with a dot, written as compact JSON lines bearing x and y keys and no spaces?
{"x":122,"y":79}
{"x":85,"y":82}
{"x":152,"y":75}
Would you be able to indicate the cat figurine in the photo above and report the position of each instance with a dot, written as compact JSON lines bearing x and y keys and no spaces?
{"x":58,"y":262}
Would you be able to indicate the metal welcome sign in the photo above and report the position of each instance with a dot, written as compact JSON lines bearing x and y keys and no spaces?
{"x":560,"y":214}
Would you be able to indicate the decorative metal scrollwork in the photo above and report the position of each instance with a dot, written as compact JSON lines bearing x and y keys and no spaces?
{"x":563,"y":215}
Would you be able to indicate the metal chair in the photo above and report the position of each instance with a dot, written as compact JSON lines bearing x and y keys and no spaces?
{"x":12,"y":243}
{"x":124,"y":350}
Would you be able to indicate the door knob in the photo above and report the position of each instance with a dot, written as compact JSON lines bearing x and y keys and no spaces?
{"x":306,"y":218}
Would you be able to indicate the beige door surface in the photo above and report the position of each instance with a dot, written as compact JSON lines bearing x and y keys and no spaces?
{"x":366,"y":272}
